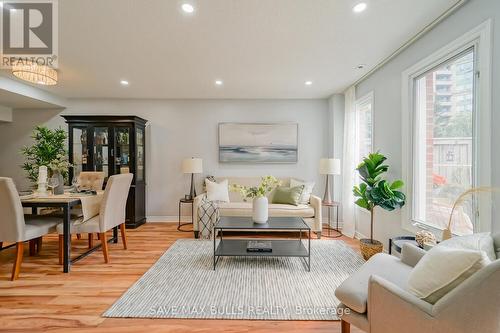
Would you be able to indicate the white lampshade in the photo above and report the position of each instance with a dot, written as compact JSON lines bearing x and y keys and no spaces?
{"x":329,"y":166}
{"x":192,"y":165}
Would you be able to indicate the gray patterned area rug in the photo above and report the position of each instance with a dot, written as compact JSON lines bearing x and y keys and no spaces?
{"x":183,"y":284}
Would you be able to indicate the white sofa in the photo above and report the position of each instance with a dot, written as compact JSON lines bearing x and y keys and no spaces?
{"x":238,"y":207}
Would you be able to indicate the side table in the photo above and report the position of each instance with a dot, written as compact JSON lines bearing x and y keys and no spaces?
{"x":181,"y":202}
{"x":329,"y":206}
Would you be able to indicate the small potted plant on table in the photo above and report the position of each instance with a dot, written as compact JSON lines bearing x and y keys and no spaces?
{"x":374,"y":191}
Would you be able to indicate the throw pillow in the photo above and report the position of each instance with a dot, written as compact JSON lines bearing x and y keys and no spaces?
{"x":218,"y":192}
{"x":479,"y":242}
{"x":442,"y":269}
{"x":306,"y":193}
{"x":288,"y":195}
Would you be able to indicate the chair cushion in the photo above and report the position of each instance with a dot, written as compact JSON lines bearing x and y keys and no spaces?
{"x":275,"y":210}
{"x":36,"y":225}
{"x":442,"y":269}
{"x":479,"y":242}
{"x":76,"y":227}
{"x":353,"y":292}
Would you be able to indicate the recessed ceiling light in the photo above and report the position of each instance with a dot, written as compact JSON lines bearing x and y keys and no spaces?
{"x":219,"y":82}
{"x":308,"y":83}
{"x":187,"y":7}
{"x":359,"y":7}
{"x":360,"y":66}
{"x":124,"y":82}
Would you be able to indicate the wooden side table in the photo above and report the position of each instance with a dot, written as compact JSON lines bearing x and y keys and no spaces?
{"x":181,"y":202}
{"x":336,"y":229}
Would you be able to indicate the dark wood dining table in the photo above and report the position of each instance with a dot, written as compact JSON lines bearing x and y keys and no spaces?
{"x":66,"y":204}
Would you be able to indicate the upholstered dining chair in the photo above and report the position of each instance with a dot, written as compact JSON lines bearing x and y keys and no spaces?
{"x":111,"y":214}
{"x":91,"y":180}
{"x":17,"y":228}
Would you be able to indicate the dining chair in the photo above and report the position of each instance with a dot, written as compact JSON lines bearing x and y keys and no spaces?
{"x":91,"y":180}
{"x":111,"y":214}
{"x":17,"y":228}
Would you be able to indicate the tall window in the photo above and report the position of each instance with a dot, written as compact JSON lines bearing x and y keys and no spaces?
{"x":444,"y":142}
{"x":364,"y":126}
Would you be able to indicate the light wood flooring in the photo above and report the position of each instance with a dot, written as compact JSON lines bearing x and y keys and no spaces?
{"x":44,"y":299}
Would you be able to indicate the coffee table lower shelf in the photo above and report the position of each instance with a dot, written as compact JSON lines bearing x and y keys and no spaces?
{"x":280,"y":248}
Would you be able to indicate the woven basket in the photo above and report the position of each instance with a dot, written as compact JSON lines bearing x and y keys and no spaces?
{"x":369,"y":249}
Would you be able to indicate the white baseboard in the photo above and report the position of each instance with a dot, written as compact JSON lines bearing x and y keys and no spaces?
{"x":168,"y":219}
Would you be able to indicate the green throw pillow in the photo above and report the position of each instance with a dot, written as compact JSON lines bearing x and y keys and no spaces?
{"x":288,"y":195}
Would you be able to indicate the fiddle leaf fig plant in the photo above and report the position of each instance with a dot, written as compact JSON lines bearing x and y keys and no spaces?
{"x":374,"y":190}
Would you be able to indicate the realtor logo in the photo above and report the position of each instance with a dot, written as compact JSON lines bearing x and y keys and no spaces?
{"x":29,"y":32}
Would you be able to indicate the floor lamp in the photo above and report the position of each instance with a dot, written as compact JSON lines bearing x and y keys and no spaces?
{"x":192,"y":166}
{"x":328,"y":166}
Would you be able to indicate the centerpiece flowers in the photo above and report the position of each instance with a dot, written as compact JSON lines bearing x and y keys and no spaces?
{"x":258,"y":194}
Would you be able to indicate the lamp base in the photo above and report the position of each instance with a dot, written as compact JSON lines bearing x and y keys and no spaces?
{"x":327,"y":198}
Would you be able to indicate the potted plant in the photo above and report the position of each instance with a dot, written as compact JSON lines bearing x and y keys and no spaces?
{"x":48,"y":150}
{"x":258,"y":195}
{"x":375,"y":191}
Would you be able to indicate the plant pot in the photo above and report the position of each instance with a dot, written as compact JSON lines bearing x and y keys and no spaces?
{"x":260,"y":210}
{"x":369,"y":248}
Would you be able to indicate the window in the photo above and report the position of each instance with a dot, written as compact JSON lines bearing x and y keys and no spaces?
{"x":446,"y":135}
{"x":364,"y":127}
{"x":444,"y":144}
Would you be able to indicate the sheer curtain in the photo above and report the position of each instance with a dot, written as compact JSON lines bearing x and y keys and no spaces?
{"x":348,"y":163}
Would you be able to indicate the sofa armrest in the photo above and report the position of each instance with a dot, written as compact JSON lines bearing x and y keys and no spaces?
{"x":391,"y":307}
{"x":411,"y":254}
{"x":196,"y":203}
{"x":315,"y":203}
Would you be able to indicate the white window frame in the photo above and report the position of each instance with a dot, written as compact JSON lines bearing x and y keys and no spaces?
{"x":367,"y":98}
{"x":480,"y":39}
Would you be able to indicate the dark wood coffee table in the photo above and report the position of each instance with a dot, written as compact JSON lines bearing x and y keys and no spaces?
{"x":237,"y":247}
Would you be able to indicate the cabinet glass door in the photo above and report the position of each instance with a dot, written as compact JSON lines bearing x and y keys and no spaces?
{"x":101,"y":150}
{"x":80,"y":151}
{"x":140,"y":154}
{"x":122,"y":152}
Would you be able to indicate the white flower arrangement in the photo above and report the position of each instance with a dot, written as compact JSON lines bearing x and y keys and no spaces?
{"x":267,"y":184}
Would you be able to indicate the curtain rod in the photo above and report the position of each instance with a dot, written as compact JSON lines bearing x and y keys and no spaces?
{"x":412,"y":40}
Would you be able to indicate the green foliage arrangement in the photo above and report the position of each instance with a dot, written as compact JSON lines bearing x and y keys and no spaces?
{"x":48,"y":150}
{"x":374,"y":190}
{"x":267,"y":184}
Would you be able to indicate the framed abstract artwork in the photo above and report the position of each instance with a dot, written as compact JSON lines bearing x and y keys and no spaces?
{"x":258,"y":142}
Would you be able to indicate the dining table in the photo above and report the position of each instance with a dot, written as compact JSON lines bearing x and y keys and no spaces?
{"x":67,"y":202}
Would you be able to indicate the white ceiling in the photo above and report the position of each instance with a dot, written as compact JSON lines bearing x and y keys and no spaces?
{"x":259,"y":48}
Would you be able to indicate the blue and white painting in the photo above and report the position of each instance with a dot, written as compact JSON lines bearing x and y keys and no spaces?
{"x":258,"y":143}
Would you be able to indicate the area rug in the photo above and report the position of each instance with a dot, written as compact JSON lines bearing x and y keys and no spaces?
{"x":183,"y":284}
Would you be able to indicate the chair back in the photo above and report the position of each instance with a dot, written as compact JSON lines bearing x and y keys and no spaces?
{"x":112,"y":212}
{"x":12,"y":228}
{"x":91,"y":180}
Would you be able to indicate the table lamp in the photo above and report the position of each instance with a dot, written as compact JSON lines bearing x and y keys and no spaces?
{"x":192,"y":166}
{"x":328,"y":166}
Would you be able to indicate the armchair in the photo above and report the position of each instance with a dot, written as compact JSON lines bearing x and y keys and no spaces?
{"x":375,"y":299}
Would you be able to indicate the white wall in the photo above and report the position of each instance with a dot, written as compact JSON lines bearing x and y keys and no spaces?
{"x":386,"y":85}
{"x":5,"y":114}
{"x":184,"y":128}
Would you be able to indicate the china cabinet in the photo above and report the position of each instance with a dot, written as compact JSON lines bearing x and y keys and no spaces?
{"x":113,"y":145}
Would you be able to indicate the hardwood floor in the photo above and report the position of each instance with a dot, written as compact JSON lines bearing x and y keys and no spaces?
{"x":44,"y":299}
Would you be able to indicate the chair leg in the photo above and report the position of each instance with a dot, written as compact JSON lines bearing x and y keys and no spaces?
{"x":61,"y":246}
{"x":1,"y":245}
{"x":98,"y":236}
{"x":32,"y":245}
{"x":91,"y":240}
{"x":124,"y":235}
{"x":104,"y":243}
{"x":78,"y":236}
{"x":345,"y":327}
{"x":39,"y":242}
{"x":19,"y":259}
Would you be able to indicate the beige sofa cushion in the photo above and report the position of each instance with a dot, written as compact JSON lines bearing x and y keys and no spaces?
{"x":480,"y":242}
{"x":442,"y":269}
{"x":249,"y":181}
{"x":275,"y":210}
{"x":353,"y":292}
